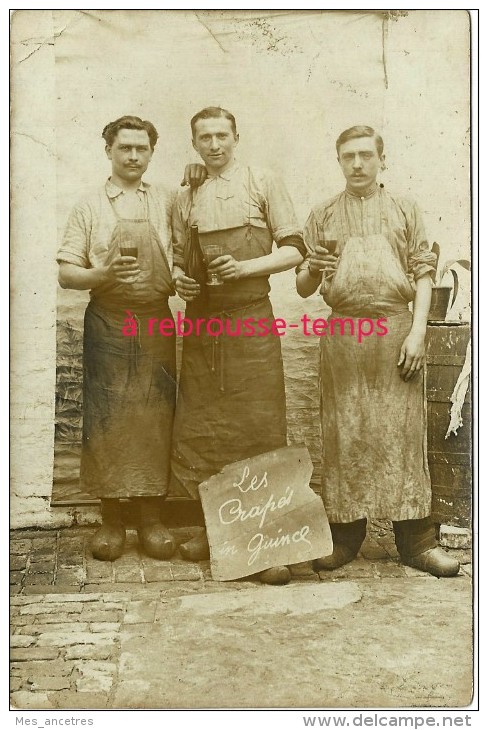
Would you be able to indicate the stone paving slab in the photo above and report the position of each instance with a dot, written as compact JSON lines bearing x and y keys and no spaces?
{"x":339,"y":655}
{"x":71,"y":622}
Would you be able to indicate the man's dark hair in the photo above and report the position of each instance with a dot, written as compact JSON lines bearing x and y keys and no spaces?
{"x":359,"y":131}
{"x":129,"y":122}
{"x":213,"y":112}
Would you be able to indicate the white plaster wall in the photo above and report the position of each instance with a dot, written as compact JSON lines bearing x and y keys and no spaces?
{"x":33,"y":298}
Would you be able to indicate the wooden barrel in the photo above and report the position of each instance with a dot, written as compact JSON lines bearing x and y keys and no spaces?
{"x":449,"y":459}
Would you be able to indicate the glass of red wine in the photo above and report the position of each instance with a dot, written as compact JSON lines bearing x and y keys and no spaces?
{"x":330,"y":243}
{"x":331,"y":246}
{"x":127,"y":248}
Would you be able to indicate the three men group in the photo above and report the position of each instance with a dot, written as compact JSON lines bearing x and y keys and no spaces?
{"x":231,"y":399}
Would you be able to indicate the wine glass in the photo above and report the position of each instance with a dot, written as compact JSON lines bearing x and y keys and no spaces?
{"x":212,"y":252}
{"x":128,"y":248}
{"x":330,"y":243}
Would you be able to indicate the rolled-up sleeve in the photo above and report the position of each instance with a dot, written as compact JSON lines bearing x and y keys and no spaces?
{"x":295,"y":241}
{"x":75,"y":245}
{"x":310,"y":239}
{"x":420,"y":260}
{"x":279,"y":209}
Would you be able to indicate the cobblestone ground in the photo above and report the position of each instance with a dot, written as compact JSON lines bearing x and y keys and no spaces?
{"x":68,"y":610}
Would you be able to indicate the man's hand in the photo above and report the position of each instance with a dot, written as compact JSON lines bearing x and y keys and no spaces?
{"x":187,"y":288}
{"x":226,"y":267}
{"x":321,"y":260}
{"x":195,"y":175}
{"x":122,"y":270}
{"x":412,"y":355}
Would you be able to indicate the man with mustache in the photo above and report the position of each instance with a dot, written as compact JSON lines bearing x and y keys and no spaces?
{"x":368,"y":253}
{"x":117,"y":244}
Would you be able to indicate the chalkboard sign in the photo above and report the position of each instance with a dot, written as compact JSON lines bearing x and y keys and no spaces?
{"x":261,"y":512}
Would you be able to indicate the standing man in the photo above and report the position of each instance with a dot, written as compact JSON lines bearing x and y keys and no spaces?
{"x":231,"y":401}
{"x":372,"y":393}
{"x":129,"y":388}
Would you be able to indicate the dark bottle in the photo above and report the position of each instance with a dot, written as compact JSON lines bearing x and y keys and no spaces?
{"x":195,"y":266}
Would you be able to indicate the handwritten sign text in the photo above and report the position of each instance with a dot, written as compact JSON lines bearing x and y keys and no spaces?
{"x":261,"y":512}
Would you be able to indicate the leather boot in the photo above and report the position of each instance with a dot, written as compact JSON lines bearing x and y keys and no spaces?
{"x":413,"y":537}
{"x":347,"y":538}
{"x":154,"y":538}
{"x":196,"y":549}
{"x":341,"y":555}
{"x":109,"y":540}
{"x":417,"y":546}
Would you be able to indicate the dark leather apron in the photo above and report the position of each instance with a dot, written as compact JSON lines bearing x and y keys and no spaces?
{"x":129,"y":386}
{"x":231,"y":399}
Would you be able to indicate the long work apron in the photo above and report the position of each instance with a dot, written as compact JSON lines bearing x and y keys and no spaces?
{"x":129,"y":381}
{"x":231,"y":398}
{"x":373,"y":422}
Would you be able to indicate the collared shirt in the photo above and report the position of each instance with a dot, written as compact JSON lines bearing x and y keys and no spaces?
{"x":88,"y":232}
{"x":128,"y":204}
{"x":239,"y":196}
{"x":364,"y":217}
